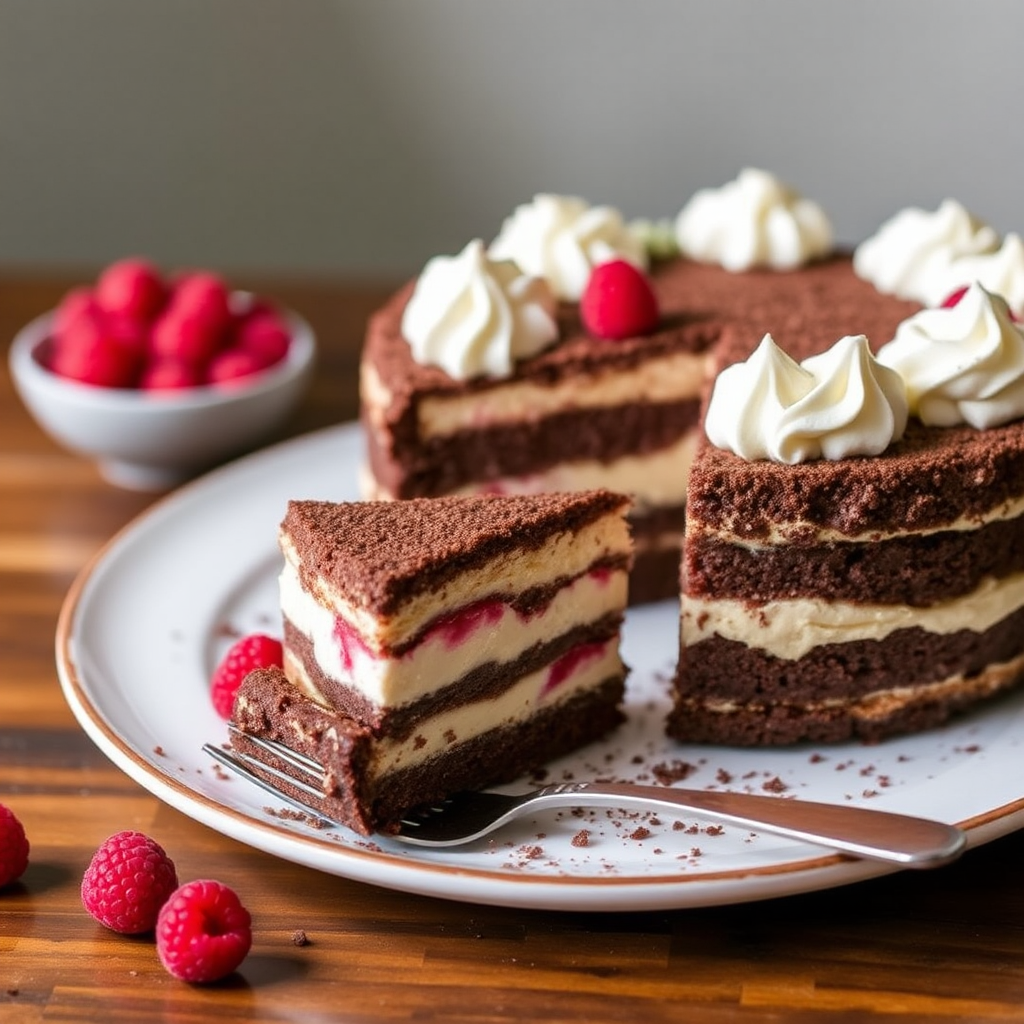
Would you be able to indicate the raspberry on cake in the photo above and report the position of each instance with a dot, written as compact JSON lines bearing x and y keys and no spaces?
{"x":561,"y":239}
{"x":433,"y":645}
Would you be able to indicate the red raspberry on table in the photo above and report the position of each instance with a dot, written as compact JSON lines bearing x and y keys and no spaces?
{"x":203,"y":932}
{"x":131,"y":288}
{"x":13,"y":847}
{"x":618,"y":302}
{"x":127,"y":881}
{"x":251,"y":652}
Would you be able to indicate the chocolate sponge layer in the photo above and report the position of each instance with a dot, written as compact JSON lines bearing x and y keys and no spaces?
{"x":930,"y":478}
{"x":781,"y":701}
{"x":912,"y":569}
{"x":378,"y":554}
{"x":440,"y":465}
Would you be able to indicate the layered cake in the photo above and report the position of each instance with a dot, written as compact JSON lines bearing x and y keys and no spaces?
{"x":434,"y":645}
{"x":849,"y":570}
{"x":828,"y":589}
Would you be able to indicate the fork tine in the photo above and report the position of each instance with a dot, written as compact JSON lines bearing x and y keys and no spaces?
{"x":300,"y":762}
{"x":419,"y":815}
{"x":240,"y":764}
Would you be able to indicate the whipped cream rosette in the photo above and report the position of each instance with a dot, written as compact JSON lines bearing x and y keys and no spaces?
{"x":840,"y":403}
{"x":476,"y":316}
{"x":914,"y":253}
{"x":754,"y":221}
{"x":749,"y":399}
{"x":561,"y":238}
{"x":961,"y":365}
{"x":1001,"y":271}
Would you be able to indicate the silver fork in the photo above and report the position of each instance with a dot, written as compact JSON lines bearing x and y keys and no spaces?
{"x":872,"y":834}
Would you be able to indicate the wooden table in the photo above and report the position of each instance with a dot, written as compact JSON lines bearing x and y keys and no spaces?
{"x":945,"y":945}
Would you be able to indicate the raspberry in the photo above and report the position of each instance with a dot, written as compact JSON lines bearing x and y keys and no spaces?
{"x":13,"y":847}
{"x":251,"y":652}
{"x":230,"y":366}
{"x":131,"y":288}
{"x":88,"y":351}
{"x":76,"y":303}
{"x":265,"y":335}
{"x":168,"y":374}
{"x":127,"y":882}
{"x":618,"y":302}
{"x":203,"y":932}
{"x":205,"y":296}
{"x":191,"y":336}
{"x":128,"y":333}
{"x":953,"y":298}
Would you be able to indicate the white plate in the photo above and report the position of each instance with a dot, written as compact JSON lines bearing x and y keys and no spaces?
{"x":147,"y":620}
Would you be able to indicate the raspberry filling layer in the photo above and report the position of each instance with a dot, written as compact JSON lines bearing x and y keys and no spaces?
{"x":582,"y":668}
{"x":490,"y":631}
{"x":454,"y":629}
{"x":570,"y":663}
{"x":451,"y":631}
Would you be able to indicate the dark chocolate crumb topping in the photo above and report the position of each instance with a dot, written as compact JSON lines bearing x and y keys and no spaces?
{"x":379,"y":554}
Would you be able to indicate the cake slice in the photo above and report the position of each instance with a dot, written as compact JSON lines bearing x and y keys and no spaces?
{"x":862,"y":593}
{"x":434,"y":645}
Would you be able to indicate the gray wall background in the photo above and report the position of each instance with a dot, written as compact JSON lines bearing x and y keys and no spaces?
{"x":361,"y":138}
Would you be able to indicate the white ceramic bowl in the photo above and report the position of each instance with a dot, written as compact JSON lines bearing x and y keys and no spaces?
{"x":154,"y":440}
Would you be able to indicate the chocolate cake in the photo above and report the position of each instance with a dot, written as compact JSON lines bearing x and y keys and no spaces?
{"x":858,"y":598}
{"x":864,"y":596}
{"x":591,"y":412}
{"x":917,"y":536}
{"x":434,"y":645}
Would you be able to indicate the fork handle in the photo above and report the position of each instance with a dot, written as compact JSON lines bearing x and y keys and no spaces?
{"x":864,"y":832}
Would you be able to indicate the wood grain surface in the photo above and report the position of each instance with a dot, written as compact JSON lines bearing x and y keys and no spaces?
{"x":940,"y":946}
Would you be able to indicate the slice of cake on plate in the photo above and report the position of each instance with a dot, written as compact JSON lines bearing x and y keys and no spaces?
{"x":435,"y":645}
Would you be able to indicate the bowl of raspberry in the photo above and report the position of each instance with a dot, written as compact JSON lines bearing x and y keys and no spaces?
{"x":158,"y":378}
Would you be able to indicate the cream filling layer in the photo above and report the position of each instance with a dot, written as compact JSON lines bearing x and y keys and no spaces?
{"x":810,"y":533}
{"x":513,"y":707}
{"x":790,"y":629}
{"x":653,"y":480}
{"x":564,"y":556}
{"x":501,"y":635}
{"x":883,"y":704}
{"x":670,"y":378}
